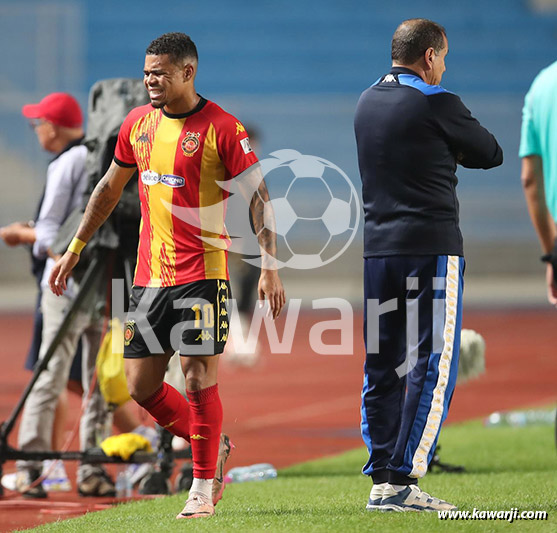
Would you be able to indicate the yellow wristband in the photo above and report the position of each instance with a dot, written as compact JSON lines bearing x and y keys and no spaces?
{"x":76,"y":246}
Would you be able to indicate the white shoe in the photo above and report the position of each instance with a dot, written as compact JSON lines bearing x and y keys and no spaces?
{"x":412,"y":498}
{"x":376,"y":496}
{"x":8,"y":481}
{"x":197,"y":506}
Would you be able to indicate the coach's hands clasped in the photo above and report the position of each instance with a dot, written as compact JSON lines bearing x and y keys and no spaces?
{"x":61,"y":271}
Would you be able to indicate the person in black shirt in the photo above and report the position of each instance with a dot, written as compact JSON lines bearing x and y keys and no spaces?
{"x":411,"y":133}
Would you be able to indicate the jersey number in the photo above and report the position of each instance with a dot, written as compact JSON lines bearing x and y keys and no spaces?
{"x":208,"y":315}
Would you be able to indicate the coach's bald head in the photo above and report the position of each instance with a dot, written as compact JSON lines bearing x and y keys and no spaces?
{"x":421,"y":45}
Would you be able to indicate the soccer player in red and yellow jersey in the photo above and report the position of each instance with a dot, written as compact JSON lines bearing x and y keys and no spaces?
{"x":181,"y":145}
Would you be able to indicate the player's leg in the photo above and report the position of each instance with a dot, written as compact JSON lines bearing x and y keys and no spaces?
{"x":435,"y":311}
{"x":205,"y":432}
{"x":205,"y":412}
{"x":144,"y":370}
{"x":200,"y":350}
{"x":169,"y":409}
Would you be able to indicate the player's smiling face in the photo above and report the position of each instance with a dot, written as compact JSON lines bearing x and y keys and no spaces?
{"x":164,"y":80}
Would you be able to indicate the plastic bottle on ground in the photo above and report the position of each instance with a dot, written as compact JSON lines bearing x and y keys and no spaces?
{"x":257,"y":472}
{"x":123,"y":484}
{"x":529,"y":417}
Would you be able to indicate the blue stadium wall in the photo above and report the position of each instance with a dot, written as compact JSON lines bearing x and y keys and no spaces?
{"x":295,"y":69}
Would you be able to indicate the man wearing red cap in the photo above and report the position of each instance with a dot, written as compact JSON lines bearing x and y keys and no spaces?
{"x":60,"y":109}
{"x":57,"y":121}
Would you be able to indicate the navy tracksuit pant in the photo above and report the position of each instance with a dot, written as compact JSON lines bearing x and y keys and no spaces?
{"x":412,"y":324}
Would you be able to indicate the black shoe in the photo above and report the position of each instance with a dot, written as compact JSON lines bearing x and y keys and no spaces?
{"x":97,"y":484}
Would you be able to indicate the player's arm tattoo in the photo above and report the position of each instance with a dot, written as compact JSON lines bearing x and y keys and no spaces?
{"x":104,"y":199}
{"x":264,"y":225}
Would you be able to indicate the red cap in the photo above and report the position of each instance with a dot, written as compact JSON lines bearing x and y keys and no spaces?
{"x":61,"y":109}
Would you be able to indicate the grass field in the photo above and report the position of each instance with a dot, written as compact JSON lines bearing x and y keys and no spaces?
{"x":506,"y":468}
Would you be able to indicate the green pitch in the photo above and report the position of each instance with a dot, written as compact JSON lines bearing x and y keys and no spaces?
{"x":506,"y":468}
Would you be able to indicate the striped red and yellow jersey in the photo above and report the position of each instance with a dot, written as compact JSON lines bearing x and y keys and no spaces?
{"x":180,"y":159}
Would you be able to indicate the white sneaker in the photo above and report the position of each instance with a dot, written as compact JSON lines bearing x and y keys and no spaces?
{"x":56,"y":479}
{"x":412,"y":498}
{"x":376,"y":496}
{"x":8,"y":481}
{"x":197,"y":506}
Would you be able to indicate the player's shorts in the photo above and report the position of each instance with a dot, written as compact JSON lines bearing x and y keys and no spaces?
{"x":191,"y":319}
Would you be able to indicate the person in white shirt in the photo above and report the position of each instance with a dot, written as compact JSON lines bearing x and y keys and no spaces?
{"x":57,"y":121}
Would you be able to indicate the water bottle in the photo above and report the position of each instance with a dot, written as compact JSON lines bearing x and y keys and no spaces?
{"x":123,"y":484}
{"x":520,"y":418}
{"x":258,"y":472}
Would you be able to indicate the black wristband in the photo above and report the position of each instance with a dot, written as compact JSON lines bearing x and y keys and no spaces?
{"x":546,"y":258}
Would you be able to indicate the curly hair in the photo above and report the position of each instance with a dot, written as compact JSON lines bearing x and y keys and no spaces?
{"x":177,"y":45}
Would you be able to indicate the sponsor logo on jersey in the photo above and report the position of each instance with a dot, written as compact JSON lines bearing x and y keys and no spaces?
{"x":150,"y":177}
{"x":198,"y":437}
{"x":190,"y":144}
{"x":143,"y":138}
{"x":173,"y":181}
{"x":246,"y":146}
{"x":239,"y":128}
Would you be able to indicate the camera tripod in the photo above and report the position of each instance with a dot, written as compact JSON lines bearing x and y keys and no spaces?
{"x":156,"y":482}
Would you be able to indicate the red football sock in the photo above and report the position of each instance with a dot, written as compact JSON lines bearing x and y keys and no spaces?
{"x":170,"y":410}
{"x":205,"y":428}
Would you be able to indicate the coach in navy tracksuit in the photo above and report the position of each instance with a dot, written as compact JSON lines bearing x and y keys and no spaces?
{"x":411,"y":133}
